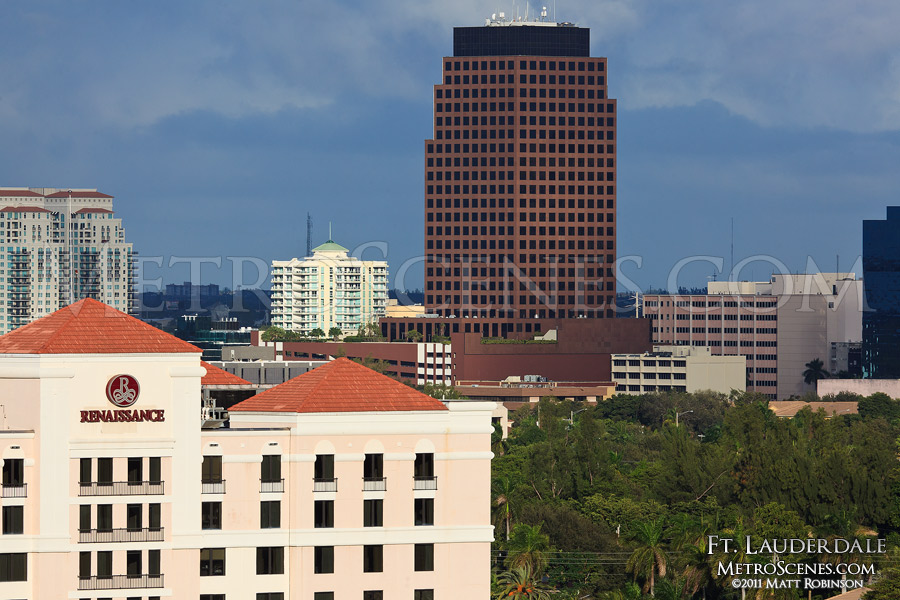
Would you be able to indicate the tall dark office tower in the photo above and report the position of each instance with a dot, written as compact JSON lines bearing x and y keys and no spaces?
{"x":520,"y":196}
{"x":881,"y":279}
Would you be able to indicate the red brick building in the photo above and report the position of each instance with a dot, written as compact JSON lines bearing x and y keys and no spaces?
{"x":520,"y":197}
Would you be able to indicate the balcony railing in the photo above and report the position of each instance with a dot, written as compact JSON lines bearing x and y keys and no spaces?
{"x":276,"y":486}
{"x":15,"y":491}
{"x":213,"y":487}
{"x":122,"y":488}
{"x":120,"y":582}
{"x":102,"y":536}
{"x":424,"y":482}
{"x":374,"y":484}
{"x":325,"y":484}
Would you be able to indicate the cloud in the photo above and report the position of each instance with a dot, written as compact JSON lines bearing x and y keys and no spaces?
{"x":794,"y":63}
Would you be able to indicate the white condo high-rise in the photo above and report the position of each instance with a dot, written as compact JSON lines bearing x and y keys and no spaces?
{"x":328,"y":289}
{"x":58,"y":246}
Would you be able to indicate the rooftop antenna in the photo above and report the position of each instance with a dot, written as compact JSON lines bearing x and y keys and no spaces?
{"x":732,"y":248}
{"x":308,"y":234}
{"x":330,"y":239}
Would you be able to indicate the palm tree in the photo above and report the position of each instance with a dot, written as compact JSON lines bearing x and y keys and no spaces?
{"x":528,"y":547}
{"x":520,"y":584}
{"x":334,"y":333}
{"x":815,"y":370}
{"x":502,"y":489}
{"x":649,"y":559}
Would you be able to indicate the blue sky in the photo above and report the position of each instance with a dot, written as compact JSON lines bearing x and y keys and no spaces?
{"x":219,"y":124}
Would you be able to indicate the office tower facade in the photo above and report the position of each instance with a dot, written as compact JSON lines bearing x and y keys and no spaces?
{"x":58,"y":246}
{"x":328,"y":289}
{"x":520,"y":196}
{"x":881,"y":272}
{"x":778,"y":325}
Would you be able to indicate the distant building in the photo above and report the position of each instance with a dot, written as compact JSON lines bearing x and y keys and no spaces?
{"x":881,"y":272}
{"x":861,"y":387}
{"x":788,"y":409}
{"x":58,"y":246}
{"x":189,"y":290}
{"x":678,"y":369}
{"x":328,"y":289}
{"x":778,"y":325}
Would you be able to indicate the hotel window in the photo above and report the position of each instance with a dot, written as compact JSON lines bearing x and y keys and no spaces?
{"x":424,"y":511}
{"x":423,"y":595}
{"x":154,"y":516}
{"x":13,"y":472}
{"x":104,"y":470}
{"x":84,"y":517}
{"x":270,"y":596}
{"x":270,"y":471}
{"x":270,"y":514}
{"x":155,"y":469}
{"x":153,"y":562}
{"x":211,"y":471}
{"x":373,"y":513}
{"x":270,"y":561}
{"x":324,"y":559}
{"x":104,"y":564}
{"x":13,"y":566}
{"x":133,"y":563}
{"x":324,"y":513}
{"x":212,"y":561}
{"x":424,"y":466}
{"x":424,"y":557}
{"x":373,"y":466}
{"x":324,"y":467}
{"x":211,"y":515}
{"x":373,"y":559}
{"x":13,"y":519}
{"x":323,"y":596}
{"x":133,"y":517}
{"x":135,"y":470}
{"x":84,"y":565}
{"x":373,"y":595}
{"x":104,"y":517}
{"x":84,"y":471}
{"x":212,"y":596}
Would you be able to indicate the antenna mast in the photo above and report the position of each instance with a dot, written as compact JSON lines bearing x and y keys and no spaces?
{"x":308,"y":234}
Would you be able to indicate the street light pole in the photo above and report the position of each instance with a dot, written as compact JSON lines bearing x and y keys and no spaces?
{"x":678,"y":414}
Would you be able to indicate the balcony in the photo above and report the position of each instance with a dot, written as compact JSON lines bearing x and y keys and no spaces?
{"x":120,"y":582}
{"x":374,"y":484}
{"x":424,"y":482}
{"x":213,"y":487}
{"x":325,"y":484}
{"x":15,"y":491}
{"x":122,"y":488}
{"x":102,"y":536}
{"x":275,"y":487}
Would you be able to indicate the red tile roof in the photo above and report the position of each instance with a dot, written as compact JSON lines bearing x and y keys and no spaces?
{"x":93,"y":210}
{"x":340,"y":386}
{"x":80,"y":194}
{"x":20,"y":193}
{"x":24,"y":209}
{"x":90,"y":327}
{"x":216,"y":376}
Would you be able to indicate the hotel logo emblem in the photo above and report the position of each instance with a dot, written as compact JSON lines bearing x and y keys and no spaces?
{"x":122,"y":390}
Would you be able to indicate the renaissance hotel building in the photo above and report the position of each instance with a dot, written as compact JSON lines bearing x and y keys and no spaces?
{"x":341,"y":483}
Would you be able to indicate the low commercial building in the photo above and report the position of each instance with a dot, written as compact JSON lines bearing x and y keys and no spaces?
{"x":678,"y":369}
{"x":340,"y":483}
{"x":328,"y":289}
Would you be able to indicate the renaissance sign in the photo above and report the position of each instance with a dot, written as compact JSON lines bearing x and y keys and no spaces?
{"x":122,"y":391}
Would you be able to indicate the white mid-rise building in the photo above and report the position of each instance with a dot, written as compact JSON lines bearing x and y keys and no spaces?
{"x":328,"y":289}
{"x":58,"y":246}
